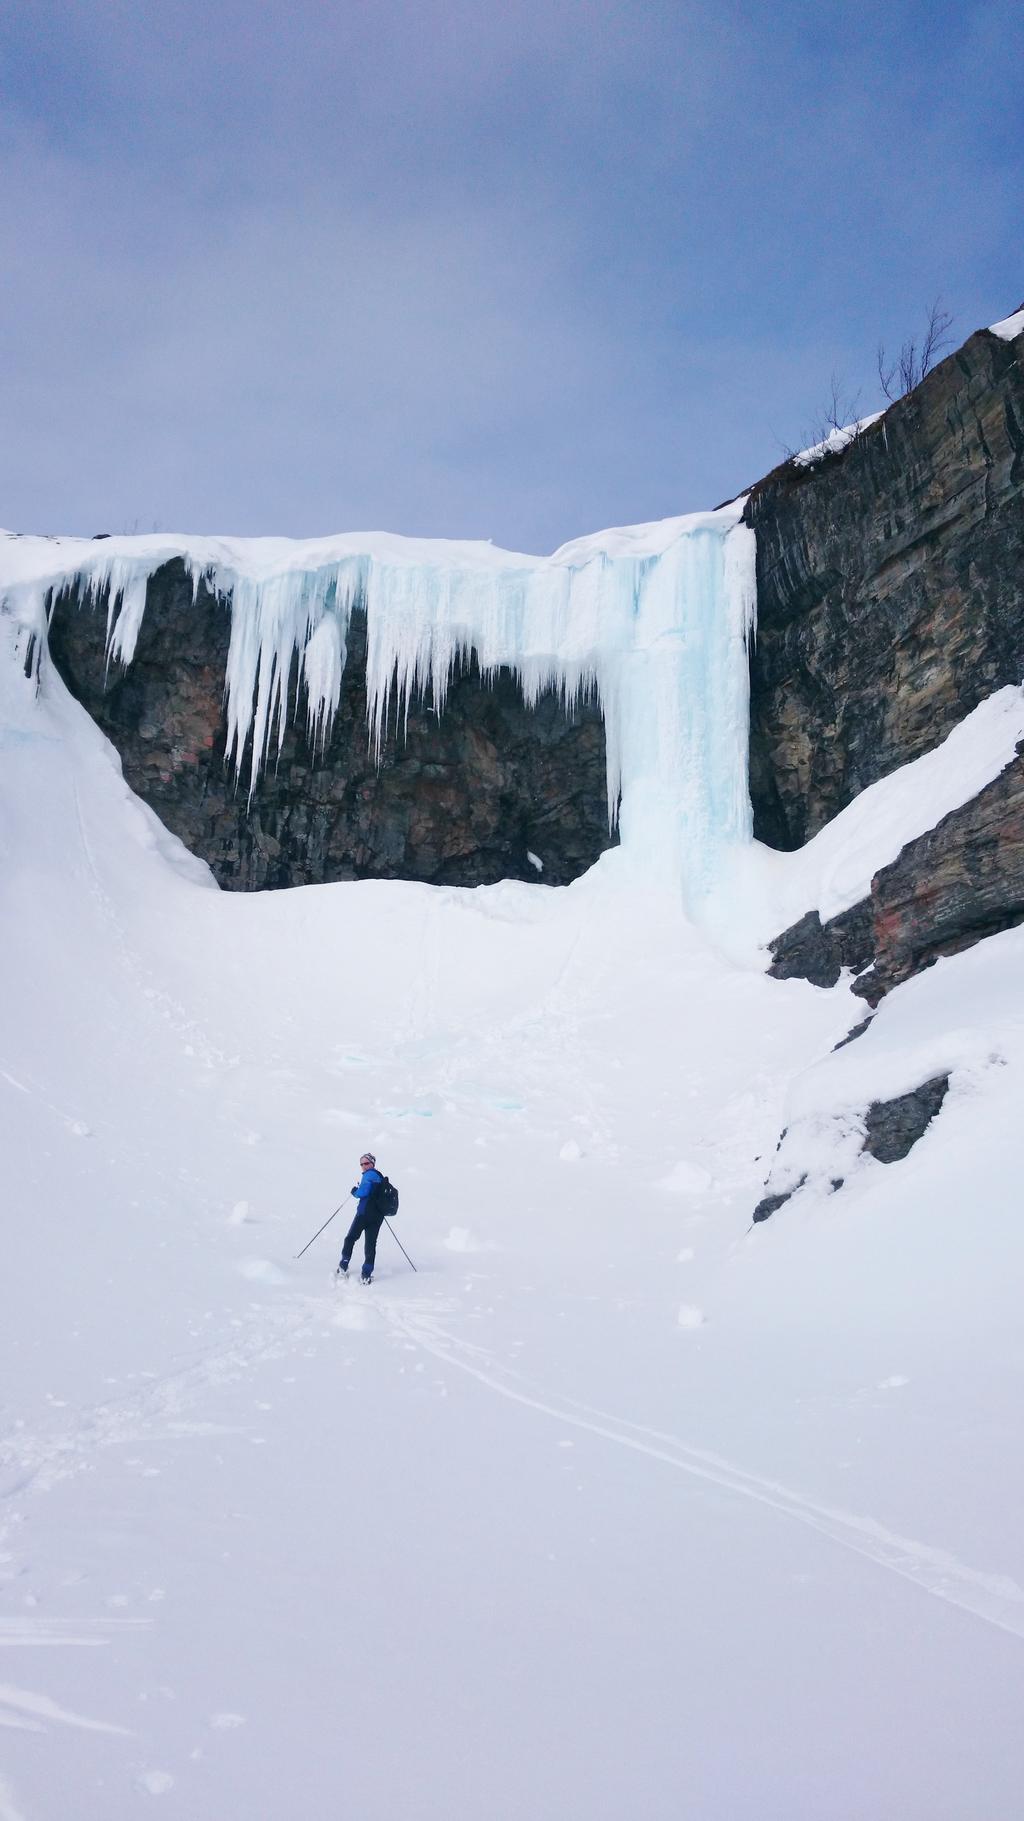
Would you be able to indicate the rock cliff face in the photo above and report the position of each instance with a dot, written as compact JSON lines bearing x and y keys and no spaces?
{"x":460,"y":800}
{"x":890,"y":601}
{"x":890,"y":584}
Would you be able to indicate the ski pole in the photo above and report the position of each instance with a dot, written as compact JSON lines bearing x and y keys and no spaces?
{"x":319,"y":1230}
{"x":397,"y":1241}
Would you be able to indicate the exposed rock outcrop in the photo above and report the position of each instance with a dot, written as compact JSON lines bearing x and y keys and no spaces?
{"x":958,"y":883}
{"x":893,"y":1127}
{"x":816,"y":951}
{"x":890,"y":582}
{"x":460,"y":800}
{"x":950,"y":888}
{"x":770,"y":1204}
{"x":858,"y":1030}
{"x":888,"y":1131}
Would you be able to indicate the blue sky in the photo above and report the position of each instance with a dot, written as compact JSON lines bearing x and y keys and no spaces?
{"x":515,"y":271}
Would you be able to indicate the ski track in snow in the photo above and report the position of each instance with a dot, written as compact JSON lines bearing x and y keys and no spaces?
{"x":993,"y":1597}
{"x":24,"y":1711}
{"x":39,"y":1463}
{"x":30,"y":1631}
{"x":153,"y":1415}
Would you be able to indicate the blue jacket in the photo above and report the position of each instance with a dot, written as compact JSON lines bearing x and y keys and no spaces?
{"x":367,"y":1181}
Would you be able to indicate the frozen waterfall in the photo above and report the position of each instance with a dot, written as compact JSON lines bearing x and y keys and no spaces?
{"x":653,"y":620}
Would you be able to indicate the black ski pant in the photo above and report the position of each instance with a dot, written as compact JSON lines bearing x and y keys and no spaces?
{"x":369,"y":1225}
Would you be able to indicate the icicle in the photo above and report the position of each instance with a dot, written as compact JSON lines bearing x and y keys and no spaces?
{"x":323,"y":662}
{"x":128,"y":583}
{"x":24,"y":610}
{"x":651,"y":621}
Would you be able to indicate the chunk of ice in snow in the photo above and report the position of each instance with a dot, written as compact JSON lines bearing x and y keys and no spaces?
{"x":690,"y":1316}
{"x":155,"y":1782}
{"x":570,"y":1152}
{"x":460,"y":1239}
{"x":261,"y":1271}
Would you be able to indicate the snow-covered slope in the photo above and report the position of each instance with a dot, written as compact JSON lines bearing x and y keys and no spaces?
{"x":614,"y":1506}
{"x":759,"y":892}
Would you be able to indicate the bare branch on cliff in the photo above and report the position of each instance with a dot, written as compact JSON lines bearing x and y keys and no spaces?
{"x":901,"y":375}
{"x":838,"y":413}
{"x":834,"y":426}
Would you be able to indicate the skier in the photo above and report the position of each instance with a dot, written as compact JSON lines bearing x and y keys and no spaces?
{"x":367,"y":1221}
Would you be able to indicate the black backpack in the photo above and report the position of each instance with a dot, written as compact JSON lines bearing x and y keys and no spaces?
{"x":384,"y":1200}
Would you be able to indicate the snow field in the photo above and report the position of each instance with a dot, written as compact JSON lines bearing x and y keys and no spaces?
{"x":508,"y":1536}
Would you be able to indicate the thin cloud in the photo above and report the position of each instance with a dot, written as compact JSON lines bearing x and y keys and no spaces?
{"x":444,"y":268}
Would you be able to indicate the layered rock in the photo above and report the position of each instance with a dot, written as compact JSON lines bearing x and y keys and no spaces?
{"x":961,"y":881}
{"x":958,"y":883}
{"x":890,"y":602}
{"x":463,"y":799}
{"x":890,"y":583}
